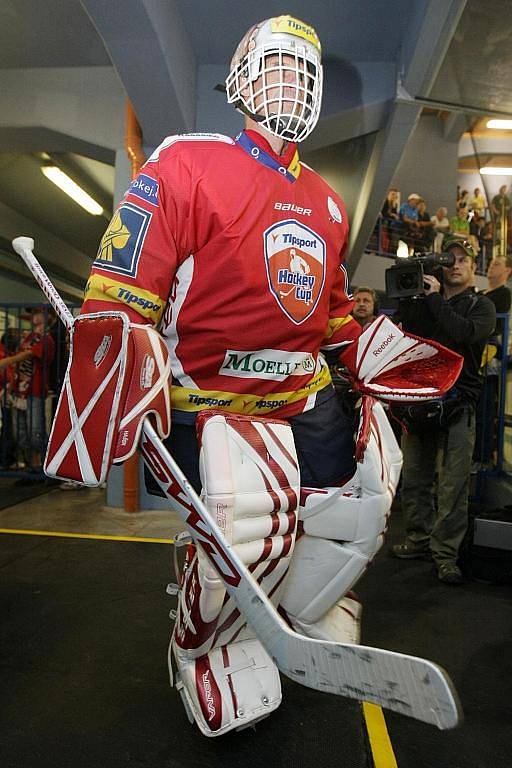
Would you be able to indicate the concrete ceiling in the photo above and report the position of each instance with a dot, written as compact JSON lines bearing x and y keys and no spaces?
{"x":66,"y":67}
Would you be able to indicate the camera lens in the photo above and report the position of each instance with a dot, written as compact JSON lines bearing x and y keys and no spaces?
{"x":409,"y":281}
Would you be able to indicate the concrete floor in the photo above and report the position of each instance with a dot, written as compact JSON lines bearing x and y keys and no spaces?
{"x":84,"y":511}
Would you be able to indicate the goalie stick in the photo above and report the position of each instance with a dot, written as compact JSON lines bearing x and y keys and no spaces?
{"x":406,"y":684}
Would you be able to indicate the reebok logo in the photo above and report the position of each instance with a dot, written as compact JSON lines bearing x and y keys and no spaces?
{"x":384,"y":344}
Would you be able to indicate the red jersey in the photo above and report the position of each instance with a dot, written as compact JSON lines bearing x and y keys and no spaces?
{"x":236,"y":255}
{"x":32,"y":374}
{"x":6,"y":374}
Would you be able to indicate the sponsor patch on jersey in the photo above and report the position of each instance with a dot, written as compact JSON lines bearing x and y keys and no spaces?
{"x":271,"y":364}
{"x":147,"y":304}
{"x":295,"y":259}
{"x":144,"y":187}
{"x":121,"y":245}
{"x":334,"y":210}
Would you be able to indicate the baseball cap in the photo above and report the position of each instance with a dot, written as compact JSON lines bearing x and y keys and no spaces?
{"x":414,"y":196}
{"x":451,"y":240}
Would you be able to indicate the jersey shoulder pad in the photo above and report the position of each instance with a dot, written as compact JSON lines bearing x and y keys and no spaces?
{"x":169,"y":141}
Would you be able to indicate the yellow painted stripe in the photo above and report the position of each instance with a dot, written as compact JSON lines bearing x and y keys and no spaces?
{"x":147,"y":539}
{"x":382,"y":751}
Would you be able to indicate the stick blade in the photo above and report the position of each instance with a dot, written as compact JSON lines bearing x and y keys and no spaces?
{"x":406,"y":684}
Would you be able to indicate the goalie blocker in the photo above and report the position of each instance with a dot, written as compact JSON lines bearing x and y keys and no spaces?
{"x":118,"y":373}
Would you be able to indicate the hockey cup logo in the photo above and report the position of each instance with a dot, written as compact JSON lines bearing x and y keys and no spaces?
{"x":295,"y":261}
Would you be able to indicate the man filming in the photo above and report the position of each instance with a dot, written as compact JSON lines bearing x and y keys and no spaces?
{"x":461,"y":319}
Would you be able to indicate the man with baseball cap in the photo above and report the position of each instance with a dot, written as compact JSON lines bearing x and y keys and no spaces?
{"x":461,"y":319}
{"x":408,"y":219}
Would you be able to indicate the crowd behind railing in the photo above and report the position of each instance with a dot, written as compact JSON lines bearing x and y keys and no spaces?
{"x":486,"y":224}
{"x":33,"y":358}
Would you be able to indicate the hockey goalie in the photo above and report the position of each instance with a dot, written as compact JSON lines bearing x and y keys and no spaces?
{"x":217,"y":295}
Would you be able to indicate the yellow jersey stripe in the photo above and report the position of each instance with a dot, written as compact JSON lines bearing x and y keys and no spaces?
{"x":185,"y":399}
{"x":145,"y":303}
{"x":335,"y":323}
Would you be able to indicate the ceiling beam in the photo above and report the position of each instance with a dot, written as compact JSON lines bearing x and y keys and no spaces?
{"x":153,"y":56}
{"x":39,"y":139}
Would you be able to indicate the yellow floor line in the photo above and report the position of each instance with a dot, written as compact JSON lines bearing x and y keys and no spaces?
{"x":382,"y":751}
{"x":148,"y":539}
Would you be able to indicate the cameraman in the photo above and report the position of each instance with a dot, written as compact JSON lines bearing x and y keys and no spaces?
{"x":461,"y":319}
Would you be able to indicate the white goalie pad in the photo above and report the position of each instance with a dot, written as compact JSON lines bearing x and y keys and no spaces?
{"x":392,"y":365}
{"x":118,"y":373}
{"x":251,"y":487}
{"x":343,"y":530}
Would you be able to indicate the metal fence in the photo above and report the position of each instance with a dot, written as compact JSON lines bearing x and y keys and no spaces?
{"x":386,"y":236}
{"x":33,"y":360}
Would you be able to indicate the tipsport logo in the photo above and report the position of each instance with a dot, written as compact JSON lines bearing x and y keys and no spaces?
{"x":295,"y":259}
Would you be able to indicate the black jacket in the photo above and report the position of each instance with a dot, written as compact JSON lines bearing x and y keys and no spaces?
{"x":462,"y":323}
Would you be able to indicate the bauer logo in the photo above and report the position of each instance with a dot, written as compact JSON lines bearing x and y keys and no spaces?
{"x":295,"y":260}
{"x":144,"y":187}
{"x":122,"y":243}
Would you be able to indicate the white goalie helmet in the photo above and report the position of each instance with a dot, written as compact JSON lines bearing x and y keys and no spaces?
{"x":276,"y":76}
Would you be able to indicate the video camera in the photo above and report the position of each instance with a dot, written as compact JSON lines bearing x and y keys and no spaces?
{"x":405,"y":278}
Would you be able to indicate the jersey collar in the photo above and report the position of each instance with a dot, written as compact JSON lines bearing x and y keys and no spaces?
{"x":288,"y":165}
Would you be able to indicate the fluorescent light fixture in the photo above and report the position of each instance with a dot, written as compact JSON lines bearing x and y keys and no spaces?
{"x":504,"y":125}
{"x":488,"y":170}
{"x":71,"y":188}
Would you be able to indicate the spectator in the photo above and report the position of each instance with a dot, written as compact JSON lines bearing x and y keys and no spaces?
{"x":459,"y":224}
{"x":389,"y":214}
{"x":366,"y":306}
{"x":474,"y":231}
{"x":477,"y":203}
{"x":407,"y":226}
{"x":7,"y":453}
{"x":500,"y":206}
{"x":425,"y":234}
{"x":441,"y":227}
{"x":33,"y":360}
{"x":498,"y":273}
{"x":462,"y":320}
{"x":462,"y":202}
{"x":486,"y":240}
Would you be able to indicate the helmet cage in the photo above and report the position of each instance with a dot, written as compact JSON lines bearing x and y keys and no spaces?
{"x":280,"y":84}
